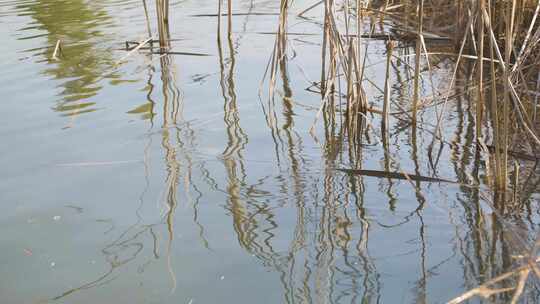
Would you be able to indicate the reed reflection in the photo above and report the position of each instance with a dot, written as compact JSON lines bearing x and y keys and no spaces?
{"x":324,"y":260}
{"x":324,"y":256}
{"x":236,"y":142}
{"x":488,"y":237}
{"x":143,"y":243}
{"x":78,"y":26}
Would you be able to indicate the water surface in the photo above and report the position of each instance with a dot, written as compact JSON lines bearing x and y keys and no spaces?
{"x":175,"y":179}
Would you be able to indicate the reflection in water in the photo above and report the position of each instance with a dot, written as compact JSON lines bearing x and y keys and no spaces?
{"x":172,"y":114}
{"x":77,"y":24}
{"x":130,"y":243}
{"x":320,"y":231}
{"x":324,"y":261}
{"x":488,"y":243}
{"x":236,"y":142}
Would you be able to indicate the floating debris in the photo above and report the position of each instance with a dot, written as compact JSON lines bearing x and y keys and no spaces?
{"x":396,"y":175}
{"x":76,"y":208}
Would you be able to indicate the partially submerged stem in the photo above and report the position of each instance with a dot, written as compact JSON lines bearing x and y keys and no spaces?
{"x":418,"y":51}
{"x":386,"y":105}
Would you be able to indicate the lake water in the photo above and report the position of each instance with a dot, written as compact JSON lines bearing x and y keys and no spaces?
{"x":176,"y":179}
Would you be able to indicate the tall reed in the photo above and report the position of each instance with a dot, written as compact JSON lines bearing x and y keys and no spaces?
{"x":162,"y":9}
{"x":418,"y":56}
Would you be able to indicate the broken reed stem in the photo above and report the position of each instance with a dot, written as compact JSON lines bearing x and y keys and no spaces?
{"x":57,"y":50}
{"x":139,"y":46}
{"x":487,"y":289}
{"x":310,"y":8}
{"x":417,"y":59}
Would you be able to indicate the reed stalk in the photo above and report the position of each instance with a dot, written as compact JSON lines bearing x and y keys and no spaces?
{"x":418,"y":56}
{"x":57,"y":50}
{"x":515,"y":186}
{"x":220,"y":3}
{"x":386,"y":104}
{"x":147,"y":18}
{"x":536,"y":97}
{"x":499,"y":179}
{"x":480,"y":70}
{"x":229,"y":17}
{"x":162,"y":9}
{"x":509,"y":34}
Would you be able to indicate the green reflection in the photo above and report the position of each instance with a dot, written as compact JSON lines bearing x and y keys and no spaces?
{"x":81,"y":62}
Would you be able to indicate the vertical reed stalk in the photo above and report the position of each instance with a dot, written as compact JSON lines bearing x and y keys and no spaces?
{"x":359,"y":19}
{"x":499,"y":179}
{"x":535,"y":104}
{"x":351,"y":108}
{"x":358,"y":62}
{"x":417,"y":62}
{"x":162,"y":8}
{"x":480,"y":70}
{"x":509,"y":34}
{"x":229,"y":17}
{"x":220,"y":3}
{"x":386,"y":105}
{"x":324,"y":46}
{"x":515,"y":183}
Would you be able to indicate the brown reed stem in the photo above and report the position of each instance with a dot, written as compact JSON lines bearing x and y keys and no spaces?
{"x":480,"y":70}
{"x":386,"y":104}
{"x":418,"y":57}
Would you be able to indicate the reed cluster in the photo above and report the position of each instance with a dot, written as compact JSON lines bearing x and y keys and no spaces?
{"x":496,"y":41}
{"x":494,"y":45}
{"x":503,"y":38}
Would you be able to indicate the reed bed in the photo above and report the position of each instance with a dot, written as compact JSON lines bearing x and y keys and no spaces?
{"x":495,"y":42}
{"x":500,"y":38}
{"x":503,"y":37}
